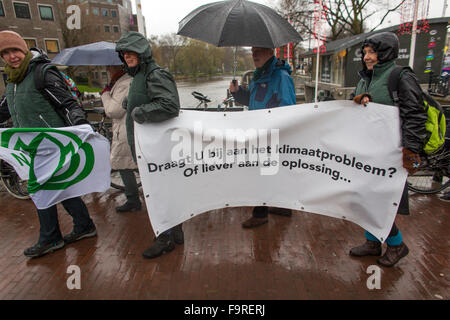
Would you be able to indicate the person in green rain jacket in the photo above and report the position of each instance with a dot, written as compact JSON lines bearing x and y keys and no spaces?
{"x":378,"y":55}
{"x":153,"y":97}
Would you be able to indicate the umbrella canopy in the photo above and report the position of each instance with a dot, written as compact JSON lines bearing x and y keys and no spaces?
{"x":94,"y":54}
{"x":238,"y":23}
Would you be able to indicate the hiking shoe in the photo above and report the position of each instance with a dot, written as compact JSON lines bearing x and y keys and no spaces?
{"x":72,"y":237}
{"x":280,"y":211}
{"x":254,"y":222}
{"x":178,"y":234}
{"x":393,"y":254}
{"x":40,"y":249}
{"x":445,"y":197}
{"x":164,"y":243}
{"x":370,"y":248}
{"x":129,"y":206}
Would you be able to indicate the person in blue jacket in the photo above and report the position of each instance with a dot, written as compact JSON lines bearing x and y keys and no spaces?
{"x":271,"y":87}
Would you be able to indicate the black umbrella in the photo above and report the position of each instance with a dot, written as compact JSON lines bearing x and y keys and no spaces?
{"x":238,"y":23}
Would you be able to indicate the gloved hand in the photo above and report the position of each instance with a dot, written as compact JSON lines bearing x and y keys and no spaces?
{"x":125,"y":103}
{"x":137,"y":115}
{"x":411,"y":160}
{"x":107,"y":88}
{"x":363,"y":99}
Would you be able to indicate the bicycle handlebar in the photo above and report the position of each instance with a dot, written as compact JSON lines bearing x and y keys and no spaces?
{"x":200,"y":96}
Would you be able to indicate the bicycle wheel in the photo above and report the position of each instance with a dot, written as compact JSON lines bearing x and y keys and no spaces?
{"x":427,"y":182}
{"x":116,"y":180}
{"x":12,"y":182}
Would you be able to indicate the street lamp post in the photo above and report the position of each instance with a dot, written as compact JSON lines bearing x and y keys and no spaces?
{"x":413,"y":36}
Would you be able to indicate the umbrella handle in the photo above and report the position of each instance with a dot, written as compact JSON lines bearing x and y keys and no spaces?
{"x":235,"y":65}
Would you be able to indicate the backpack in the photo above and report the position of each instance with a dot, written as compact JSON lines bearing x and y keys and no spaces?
{"x":39,"y":73}
{"x":435,"y":123}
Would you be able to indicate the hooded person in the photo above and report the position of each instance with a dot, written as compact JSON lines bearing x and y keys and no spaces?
{"x":379,"y":52}
{"x":31,"y":108}
{"x":271,"y":87}
{"x":152,"y":97}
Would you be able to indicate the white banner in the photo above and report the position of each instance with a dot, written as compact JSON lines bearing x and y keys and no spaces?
{"x":59,"y":163}
{"x":340,"y":160}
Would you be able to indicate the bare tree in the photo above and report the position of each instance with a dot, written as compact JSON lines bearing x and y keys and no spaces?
{"x":343,"y":17}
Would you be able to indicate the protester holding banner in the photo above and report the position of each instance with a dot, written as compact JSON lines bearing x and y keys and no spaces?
{"x":378,"y":59}
{"x":112,"y":97}
{"x":271,"y":87}
{"x":30,"y":108}
{"x":153,"y":97}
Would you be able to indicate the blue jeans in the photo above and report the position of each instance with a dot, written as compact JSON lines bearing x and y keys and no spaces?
{"x":48,"y":219}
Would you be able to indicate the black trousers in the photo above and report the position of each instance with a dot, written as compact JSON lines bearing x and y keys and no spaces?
{"x":48,"y":219}
{"x":131,"y":187}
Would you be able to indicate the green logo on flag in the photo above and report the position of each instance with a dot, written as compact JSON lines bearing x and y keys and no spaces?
{"x":58,"y":180}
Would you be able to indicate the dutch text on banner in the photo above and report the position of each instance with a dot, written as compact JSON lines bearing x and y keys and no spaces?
{"x":59,"y":163}
{"x":339,"y":159}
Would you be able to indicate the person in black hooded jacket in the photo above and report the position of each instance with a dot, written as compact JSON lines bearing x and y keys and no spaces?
{"x":30,"y":108}
{"x":379,"y":52}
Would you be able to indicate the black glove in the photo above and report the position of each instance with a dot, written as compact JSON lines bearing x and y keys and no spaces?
{"x":125,"y":103}
{"x":137,"y":115}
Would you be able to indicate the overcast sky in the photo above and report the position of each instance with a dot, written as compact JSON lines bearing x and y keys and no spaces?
{"x":163,"y":16}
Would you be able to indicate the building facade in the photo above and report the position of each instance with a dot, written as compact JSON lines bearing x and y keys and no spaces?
{"x":341,"y":61}
{"x":52,"y":26}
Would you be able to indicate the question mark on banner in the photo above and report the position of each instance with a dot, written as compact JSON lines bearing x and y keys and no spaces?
{"x":392,"y":171}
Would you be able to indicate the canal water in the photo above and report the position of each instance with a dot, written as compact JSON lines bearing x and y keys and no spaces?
{"x":215,"y":89}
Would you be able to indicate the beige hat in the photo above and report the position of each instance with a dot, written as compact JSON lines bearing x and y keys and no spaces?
{"x":10,"y":39}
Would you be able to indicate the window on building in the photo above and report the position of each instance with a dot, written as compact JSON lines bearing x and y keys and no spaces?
{"x":113,"y":13}
{"x":105,"y":12}
{"x":95,"y":11}
{"x":116,"y":29}
{"x":46,"y":12}
{"x":22,"y":10}
{"x":107,"y":29}
{"x":31,"y":43}
{"x":104,"y":75}
{"x":2,"y":12}
{"x":52,"y":46}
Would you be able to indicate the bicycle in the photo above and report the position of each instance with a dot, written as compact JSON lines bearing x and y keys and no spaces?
{"x":433,"y":173}
{"x":104,"y":127}
{"x":14,"y":185}
{"x":227,"y":104}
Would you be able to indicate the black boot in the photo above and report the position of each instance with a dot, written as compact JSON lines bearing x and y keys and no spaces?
{"x":280,"y":211}
{"x":178,"y":235}
{"x":40,"y":249}
{"x":163,"y":243}
{"x":128,"y":206}
{"x":370,"y":248}
{"x":393,"y":255}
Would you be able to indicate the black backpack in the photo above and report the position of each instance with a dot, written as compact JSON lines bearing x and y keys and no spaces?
{"x":39,"y":76}
{"x":435,"y":124}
